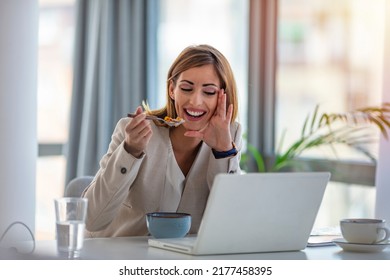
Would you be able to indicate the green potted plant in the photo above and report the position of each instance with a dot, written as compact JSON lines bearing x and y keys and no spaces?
{"x":351,"y":129}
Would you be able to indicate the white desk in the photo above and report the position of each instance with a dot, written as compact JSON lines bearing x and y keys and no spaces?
{"x":136,"y":248}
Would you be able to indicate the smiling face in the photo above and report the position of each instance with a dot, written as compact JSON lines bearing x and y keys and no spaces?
{"x":195,"y":93}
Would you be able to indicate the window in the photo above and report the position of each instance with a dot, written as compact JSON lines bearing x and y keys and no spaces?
{"x":330,"y":53}
{"x":56,"y":32}
{"x":324,"y":58}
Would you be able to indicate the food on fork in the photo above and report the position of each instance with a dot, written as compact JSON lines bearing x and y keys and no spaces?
{"x":167,"y":120}
{"x":176,"y":120}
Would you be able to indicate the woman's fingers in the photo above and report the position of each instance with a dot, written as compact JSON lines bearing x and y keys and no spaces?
{"x":138,"y":133}
{"x":221,"y":105}
{"x":194,"y":134}
{"x":229,"y":113}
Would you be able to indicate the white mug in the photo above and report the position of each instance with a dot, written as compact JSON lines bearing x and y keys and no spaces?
{"x":367,"y":231}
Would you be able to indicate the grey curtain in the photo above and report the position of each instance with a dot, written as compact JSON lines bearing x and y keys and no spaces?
{"x":114,"y":70}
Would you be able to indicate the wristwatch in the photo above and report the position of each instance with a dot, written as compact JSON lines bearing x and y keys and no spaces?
{"x":230,"y":153}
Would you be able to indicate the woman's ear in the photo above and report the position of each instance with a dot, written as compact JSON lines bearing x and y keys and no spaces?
{"x":171,"y":87}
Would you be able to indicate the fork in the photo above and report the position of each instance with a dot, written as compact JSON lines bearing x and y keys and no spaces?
{"x":151,"y":117}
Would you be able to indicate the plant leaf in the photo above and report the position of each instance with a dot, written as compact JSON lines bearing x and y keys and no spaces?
{"x":258,"y":157}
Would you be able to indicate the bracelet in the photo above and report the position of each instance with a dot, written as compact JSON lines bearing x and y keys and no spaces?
{"x":225,"y":154}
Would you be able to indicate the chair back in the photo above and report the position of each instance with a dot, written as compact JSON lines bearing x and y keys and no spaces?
{"x":76,"y":187}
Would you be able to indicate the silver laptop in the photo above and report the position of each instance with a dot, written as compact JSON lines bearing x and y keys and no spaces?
{"x":255,"y":212}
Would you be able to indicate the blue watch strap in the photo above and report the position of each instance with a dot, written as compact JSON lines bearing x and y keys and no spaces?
{"x":225,"y":154}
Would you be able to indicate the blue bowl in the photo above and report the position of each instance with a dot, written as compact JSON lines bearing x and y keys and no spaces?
{"x":168,"y":224}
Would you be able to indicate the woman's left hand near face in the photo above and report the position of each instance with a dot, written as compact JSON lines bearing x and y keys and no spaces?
{"x":217,"y":133}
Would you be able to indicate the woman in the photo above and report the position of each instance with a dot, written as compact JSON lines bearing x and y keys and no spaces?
{"x":152,"y":167}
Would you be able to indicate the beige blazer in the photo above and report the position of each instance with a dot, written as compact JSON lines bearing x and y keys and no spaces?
{"x":126,"y":188}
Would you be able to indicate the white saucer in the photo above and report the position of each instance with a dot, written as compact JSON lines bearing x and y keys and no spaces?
{"x":355,"y":247}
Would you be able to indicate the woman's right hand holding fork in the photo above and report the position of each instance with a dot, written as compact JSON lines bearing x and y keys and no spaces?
{"x":138,"y":134}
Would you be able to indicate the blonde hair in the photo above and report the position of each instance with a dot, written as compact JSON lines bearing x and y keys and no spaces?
{"x":196,"y":56}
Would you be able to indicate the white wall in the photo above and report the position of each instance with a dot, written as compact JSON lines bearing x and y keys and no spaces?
{"x":382,"y":209}
{"x":18,"y":105}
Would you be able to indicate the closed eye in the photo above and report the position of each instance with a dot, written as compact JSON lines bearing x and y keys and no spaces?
{"x":210,"y":90}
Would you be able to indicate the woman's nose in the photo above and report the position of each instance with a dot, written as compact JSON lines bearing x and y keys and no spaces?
{"x":196,"y":97}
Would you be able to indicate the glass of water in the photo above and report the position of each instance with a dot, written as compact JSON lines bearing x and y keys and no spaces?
{"x":70,"y":224}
